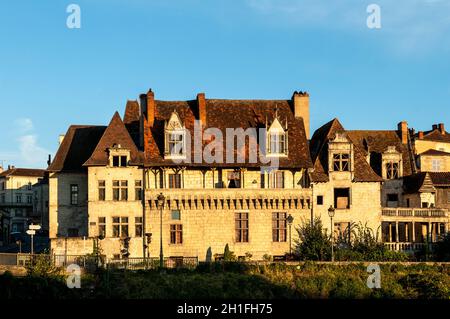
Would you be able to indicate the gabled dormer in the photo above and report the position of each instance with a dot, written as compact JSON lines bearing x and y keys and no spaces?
{"x":174,"y":137}
{"x":277,"y":138}
{"x":340,"y":154}
{"x":118,"y":156}
{"x":391,"y":164}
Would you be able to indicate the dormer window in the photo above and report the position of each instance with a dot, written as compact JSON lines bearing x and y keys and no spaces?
{"x":175,"y":137}
{"x":118,"y":156}
{"x":277,"y":143}
{"x":176,"y":143}
{"x":392,"y":170}
{"x":340,"y":154}
{"x":392,"y":167}
{"x":119,"y":161}
{"x":341,"y":162}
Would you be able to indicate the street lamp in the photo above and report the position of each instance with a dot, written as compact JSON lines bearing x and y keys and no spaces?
{"x":161,"y":200}
{"x":290,"y":220}
{"x":331,"y":212}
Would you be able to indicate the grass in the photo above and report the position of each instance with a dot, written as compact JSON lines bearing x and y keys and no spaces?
{"x":234,"y":280}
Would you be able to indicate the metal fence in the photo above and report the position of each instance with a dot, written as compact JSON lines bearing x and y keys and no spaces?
{"x":153,"y":263}
{"x":92,"y":261}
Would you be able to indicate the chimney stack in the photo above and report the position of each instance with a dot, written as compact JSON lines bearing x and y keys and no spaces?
{"x":442,"y":128}
{"x":403,"y":131}
{"x":49,"y":161}
{"x":201,"y":102}
{"x":151,"y":108}
{"x":300,"y":101}
{"x":435,"y":127}
{"x":420,"y":135}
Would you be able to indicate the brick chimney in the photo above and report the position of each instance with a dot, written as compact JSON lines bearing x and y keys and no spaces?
{"x":201,"y":103}
{"x":442,"y":128}
{"x":420,"y":135}
{"x":300,"y":101}
{"x":435,"y":127}
{"x":151,"y":112}
{"x":403,"y":131}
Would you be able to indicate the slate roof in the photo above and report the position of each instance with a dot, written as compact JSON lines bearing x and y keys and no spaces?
{"x":76,"y":148}
{"x":224,"y":114}
{"x":319,"y":152}
{"x":25,"y":172}
{"x":377,"y":142}
{"x":115,"y":133}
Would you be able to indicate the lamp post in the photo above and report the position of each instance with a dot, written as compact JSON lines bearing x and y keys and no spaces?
{"x":161,"y":200}
{"x":290,"y":220}
{"x":331,"y":212}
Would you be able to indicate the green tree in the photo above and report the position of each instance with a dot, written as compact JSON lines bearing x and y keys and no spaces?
{"x":442,"y":248}
{"x":313,"y":242}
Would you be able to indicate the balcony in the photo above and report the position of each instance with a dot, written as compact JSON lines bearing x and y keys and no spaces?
{"x":415,"y":212}
{"x":232,"y":198}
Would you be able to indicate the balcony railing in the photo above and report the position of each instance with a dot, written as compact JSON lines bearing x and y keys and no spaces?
{"x":414,"y":212}
{"x":408,"y":246}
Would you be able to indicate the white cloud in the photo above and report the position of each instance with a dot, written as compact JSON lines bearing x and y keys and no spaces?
{"x":27,"y":152}
{"x":30,"y":152}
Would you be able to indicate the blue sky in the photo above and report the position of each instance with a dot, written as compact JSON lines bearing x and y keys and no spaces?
{"x":52,"y":76}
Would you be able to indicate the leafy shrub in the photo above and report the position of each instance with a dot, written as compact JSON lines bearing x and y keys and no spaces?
{"x":313,"y":242}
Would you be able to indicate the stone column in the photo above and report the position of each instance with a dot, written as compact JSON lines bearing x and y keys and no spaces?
{"x":396,"y":232}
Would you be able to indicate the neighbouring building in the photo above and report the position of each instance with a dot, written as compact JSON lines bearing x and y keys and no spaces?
{"x":16,"y":199}
{"x":344,"y":180}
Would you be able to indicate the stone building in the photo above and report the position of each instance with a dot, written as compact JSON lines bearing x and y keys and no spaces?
{"x":235,"y":172}
{"x":16,"y":199}
{"x":344,"y":180}
{"x":104,"y":181}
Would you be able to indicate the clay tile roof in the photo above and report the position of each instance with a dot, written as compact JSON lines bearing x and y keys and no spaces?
{"x":435,"y":135}
{"x":224,"y":114}
{"x":440,"y":178}
{"x":432,"y":152}
{"x":377,"y":142}
{"x":425,"y":182}
{"x":319,"y":151}
{"x":25,"y":172}
{"x":77,"y":146}
{"x":115,"y":134}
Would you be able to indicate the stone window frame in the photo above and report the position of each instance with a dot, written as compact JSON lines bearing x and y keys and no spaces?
{"x":122,"y":222}
{"x":138,"y":190}
{"x":279,"y":227}
{"x":74,"y":194}
{"x":138,"y":226}
{"x":101,"y":226}
{"x":122,"y":187}
{"x":101,"y":190}
{"x":242,"y":227}
{"x":176,"y":234}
